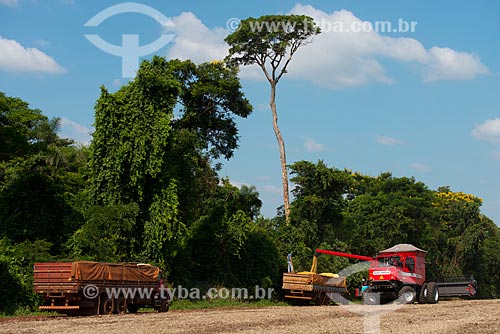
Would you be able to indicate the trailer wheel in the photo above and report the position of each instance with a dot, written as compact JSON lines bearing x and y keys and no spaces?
{"x":164,"y":306}
{"x":132,"y":308}
{"x":107,"y":305}
{"x":338,"y":298}
{"x":432,"y":293}
{"x":121,"y":305}
{"x":407,"y":295}
{"x":422,"y":296}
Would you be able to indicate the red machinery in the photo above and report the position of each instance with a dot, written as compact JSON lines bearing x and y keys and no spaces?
{"x":399,"y":273}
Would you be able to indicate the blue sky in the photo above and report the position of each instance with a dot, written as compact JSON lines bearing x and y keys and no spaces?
{"x":422,"y":103}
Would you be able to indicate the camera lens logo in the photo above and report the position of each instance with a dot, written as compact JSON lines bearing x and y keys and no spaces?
{"x":130,"y":50}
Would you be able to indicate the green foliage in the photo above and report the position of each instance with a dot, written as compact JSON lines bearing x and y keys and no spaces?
{"x":164,"y":233}
{"x":226,"y":247}
{"x":148,"y":190}
{"x":210,"y":96}
{"x":270,"y":38}
{"x":40,"y":175}
{"x":24,"y":131}
{"x":16,"y":275}
{"x":107,"y":235}
{"x":139,"y":150}
{"x":319,"y":203}
{"x":132,"y":128}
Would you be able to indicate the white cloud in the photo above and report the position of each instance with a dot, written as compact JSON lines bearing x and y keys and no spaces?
{"x":16,"y":58}
{"x":447,"y":64}
{"x":487,"y":131}
{"x":352,"y":58}
{"x":117,"y":83}
{"x":42,"y":42}
{"x":195,"y":41}
{"x":263,"y":107}
{"x":389,"y":141}
{"x":311,"y":146}
{"x":419,"y":167}
{"x":10,"y":3}
{"x":272,"y":189}
{"x":77,"y":132}
{"x":238,"y":184}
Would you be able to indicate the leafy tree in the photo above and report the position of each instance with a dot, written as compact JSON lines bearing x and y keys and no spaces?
{"x":210,"y":97}
{"x":319,"y":199}
{"x":219,"y":239}
{"x":271,"y":41}
{"x":39,"y":176}
{"x":132,"y":128}
{"x":107,"y":235}
{"x":163,"y":233}
{"x":16,"y":273}
{"x":386,"y":211}
{"x":20,"y":127}
{"x":142,"y":154}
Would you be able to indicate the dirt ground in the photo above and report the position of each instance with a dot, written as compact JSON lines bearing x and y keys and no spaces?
{"x":459,"y":316}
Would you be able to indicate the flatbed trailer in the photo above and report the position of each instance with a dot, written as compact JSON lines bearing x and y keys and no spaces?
{"x":318,"y":288}
{"x":457,"y":287}
{"x":86,"y":287}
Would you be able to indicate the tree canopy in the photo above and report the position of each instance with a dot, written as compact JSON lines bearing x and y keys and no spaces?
{"x":271,"y":41}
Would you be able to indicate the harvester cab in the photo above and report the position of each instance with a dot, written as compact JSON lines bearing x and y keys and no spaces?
{"x":402,"y":264}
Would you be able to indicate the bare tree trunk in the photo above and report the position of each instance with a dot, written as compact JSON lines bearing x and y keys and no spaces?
{"x":281,"y":145}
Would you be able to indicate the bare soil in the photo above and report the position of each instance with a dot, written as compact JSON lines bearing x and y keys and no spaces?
{"x":459,"y":316}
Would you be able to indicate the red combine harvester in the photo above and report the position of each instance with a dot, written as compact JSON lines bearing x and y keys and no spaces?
{"x":398,"y":273}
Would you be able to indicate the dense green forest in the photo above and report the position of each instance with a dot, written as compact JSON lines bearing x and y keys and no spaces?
{"x":147,"y":189}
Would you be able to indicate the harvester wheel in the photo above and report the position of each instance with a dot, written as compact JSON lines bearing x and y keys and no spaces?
{"x":370,"y":297}
{"x":432,"y":293}
{"x":407,"y":295}
{"x":422,"y":296}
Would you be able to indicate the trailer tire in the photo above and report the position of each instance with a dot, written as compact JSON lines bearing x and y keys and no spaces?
{"x":107,"y":305}
{"x":121,"y":305}
{"x":407,"y":295}
{"x":132,"y":308}
{"x":164,"y":306}
{"x":422,"y":296}
{"x":432,"y":293}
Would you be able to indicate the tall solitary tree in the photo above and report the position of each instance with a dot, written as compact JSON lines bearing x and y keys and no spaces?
{"x":271,"y":42}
